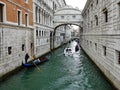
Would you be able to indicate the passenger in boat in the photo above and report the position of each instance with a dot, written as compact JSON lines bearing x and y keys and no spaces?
{"x":76,"y":48}
{"x":67,"y":50}
{"x":36,"y":60}
{"x":26,"y":57}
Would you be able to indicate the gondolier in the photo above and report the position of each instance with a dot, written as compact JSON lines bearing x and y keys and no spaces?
{"x":26,"y":57}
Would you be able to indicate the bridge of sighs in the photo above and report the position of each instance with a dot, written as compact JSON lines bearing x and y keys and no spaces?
{"x":66,"y":16}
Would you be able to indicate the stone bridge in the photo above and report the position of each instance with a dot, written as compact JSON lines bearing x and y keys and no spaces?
{"x":66,"y":16}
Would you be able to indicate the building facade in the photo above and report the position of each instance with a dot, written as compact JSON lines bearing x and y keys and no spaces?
{"x":43,"y":24}
{"x":100,"y":37}
{"x":16,"y":38}
{"x":27,"y":26}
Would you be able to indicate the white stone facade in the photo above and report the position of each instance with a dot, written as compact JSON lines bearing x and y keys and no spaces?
{"x":100,"y":37}
{"x":43,"y":24}
{"x":15,"y":42}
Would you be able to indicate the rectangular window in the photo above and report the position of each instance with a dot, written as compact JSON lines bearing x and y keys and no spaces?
{"x":74,"y":16}
{"x":105,"y":11}
{"x":104,"y":50}
{"x":118,"y":56}
{"x":1,"y":12}
{"x":36,"y":14}
{"x":91,"y":43}
{"x":91,"y":6}
{"x":9,"y":50}
{"x":119,"y":9}
{"x":96,"y":2}
{"x":62,"y":17}
{"x":91,"y":24}
{"x":40,"y":33}
{"x":23,"y":47}
{"x":96,"y":20}
{"x":96,"y":46}
{"x":26,"y":20}
{"x":19,"y":17}
{"x":37,"y":33}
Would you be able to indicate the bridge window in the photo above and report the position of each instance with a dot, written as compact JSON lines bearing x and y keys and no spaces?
{"x":62,"y":17}
{"x":74,"y":16}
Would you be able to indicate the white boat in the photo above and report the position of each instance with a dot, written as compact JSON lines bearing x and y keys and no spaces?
{"x":68,"y":52}
{"x":74,"y":48}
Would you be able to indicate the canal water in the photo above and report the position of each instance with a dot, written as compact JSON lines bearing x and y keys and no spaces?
{"x":59,"y":73}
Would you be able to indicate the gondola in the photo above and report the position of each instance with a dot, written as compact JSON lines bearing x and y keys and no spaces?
{"x":35,"y":62}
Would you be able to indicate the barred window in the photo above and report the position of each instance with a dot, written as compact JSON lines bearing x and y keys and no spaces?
{"x":118,"y":56}
{"x":9,"y":50}
{"x":105,"y":11}
{"x":23,"y":47}
{"x":104,"y":50}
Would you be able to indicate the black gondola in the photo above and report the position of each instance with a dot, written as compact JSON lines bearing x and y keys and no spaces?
{"x":35,"y":62}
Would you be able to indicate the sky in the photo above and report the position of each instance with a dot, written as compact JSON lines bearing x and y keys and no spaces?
{"x":76,"y":3}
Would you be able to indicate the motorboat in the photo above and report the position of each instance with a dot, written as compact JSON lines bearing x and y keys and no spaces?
{"x":68,"y":52}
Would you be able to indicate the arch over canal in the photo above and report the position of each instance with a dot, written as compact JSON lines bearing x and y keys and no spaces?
{"x":66,"y":16}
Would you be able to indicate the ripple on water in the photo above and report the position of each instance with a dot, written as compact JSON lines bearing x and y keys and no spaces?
{"x":60,"y":73}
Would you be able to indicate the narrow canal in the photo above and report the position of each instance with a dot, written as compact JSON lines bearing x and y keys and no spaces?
{"x":59,"y":73}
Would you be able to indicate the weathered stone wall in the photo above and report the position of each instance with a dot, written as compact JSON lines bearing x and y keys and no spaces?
{"x":102,"y":42}
{"x":14,"y":37}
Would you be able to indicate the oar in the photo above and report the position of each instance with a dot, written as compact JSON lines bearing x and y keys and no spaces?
{"x":36,"y":65}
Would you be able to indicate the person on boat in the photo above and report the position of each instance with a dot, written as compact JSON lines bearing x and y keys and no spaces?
{"x":76,"y":48}
{"x":67,"y":50}
{"x":26,"y":57}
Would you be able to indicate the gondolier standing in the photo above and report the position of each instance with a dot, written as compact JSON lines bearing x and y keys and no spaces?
{"x":26,"y":57}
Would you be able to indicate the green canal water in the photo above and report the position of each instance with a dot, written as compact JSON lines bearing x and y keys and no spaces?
{"x":59,"y":73}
